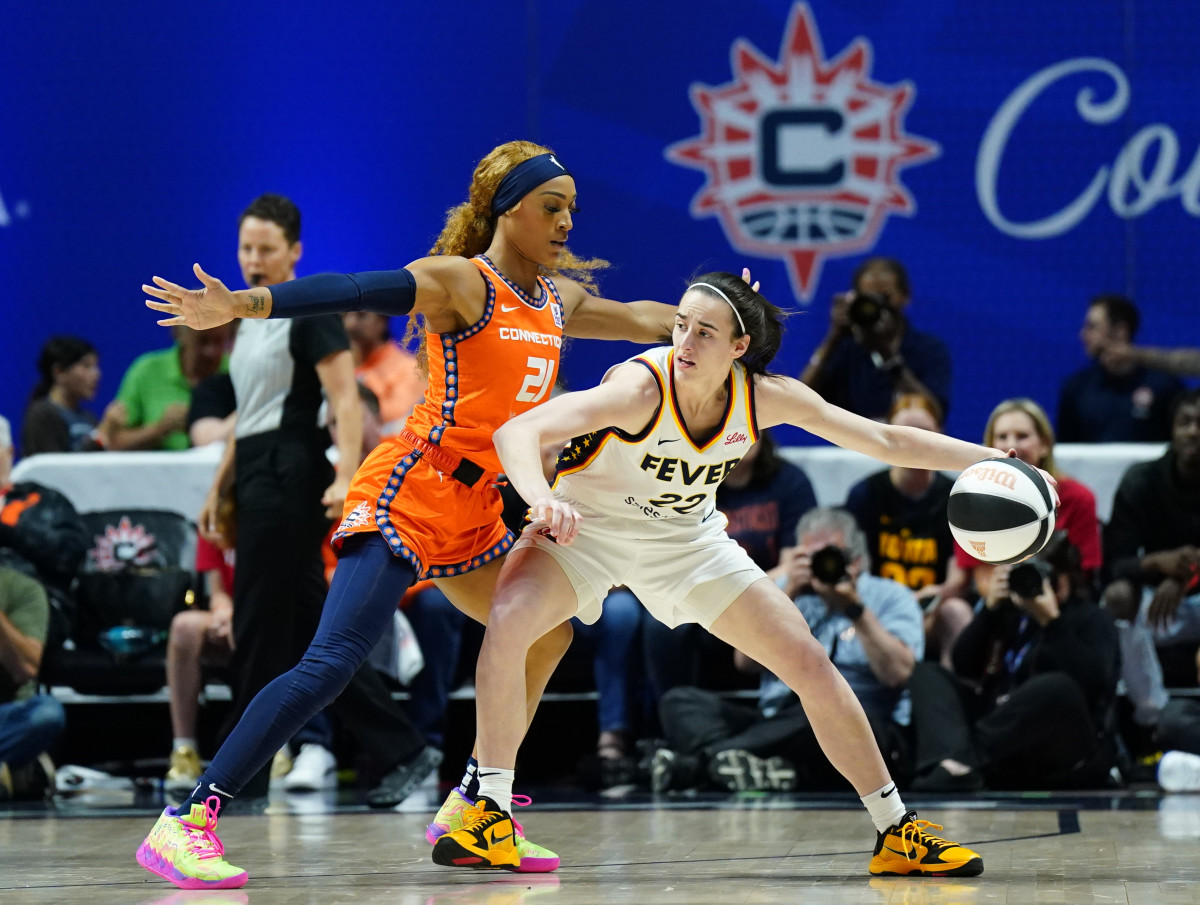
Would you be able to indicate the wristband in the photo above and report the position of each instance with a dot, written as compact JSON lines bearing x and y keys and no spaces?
{"x":854,"y":611}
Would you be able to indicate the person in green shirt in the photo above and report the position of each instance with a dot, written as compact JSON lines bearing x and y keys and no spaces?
{"x":152,"y":402}
{"x":29,"y":722}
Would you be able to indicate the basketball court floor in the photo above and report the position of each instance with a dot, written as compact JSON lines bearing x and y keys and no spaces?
{"x":1135,"y":847}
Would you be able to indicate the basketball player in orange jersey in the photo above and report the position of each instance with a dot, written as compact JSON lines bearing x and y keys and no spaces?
{"x":495,"y":304}
{"x":634,"y":503}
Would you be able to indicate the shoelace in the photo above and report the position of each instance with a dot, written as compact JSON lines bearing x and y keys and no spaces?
{"x":914,"y":831}
{"x":521,"y":801}
{"x":473,"y":814}
{"x":203,"y":841}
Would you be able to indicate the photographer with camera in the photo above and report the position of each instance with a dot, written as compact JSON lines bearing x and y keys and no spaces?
{"x":871,"y":628}
{"x":1038,"y":666}
{"x":871,"y":353}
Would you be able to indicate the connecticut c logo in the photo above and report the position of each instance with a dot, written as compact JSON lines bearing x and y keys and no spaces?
{"x":802,"y":157}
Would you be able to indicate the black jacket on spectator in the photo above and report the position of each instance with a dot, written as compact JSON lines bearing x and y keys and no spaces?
{"x":1152,"y":511}
{"x":1003,"y":648}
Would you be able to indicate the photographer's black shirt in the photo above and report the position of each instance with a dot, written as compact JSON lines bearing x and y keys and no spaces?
{"x":851,"y":380}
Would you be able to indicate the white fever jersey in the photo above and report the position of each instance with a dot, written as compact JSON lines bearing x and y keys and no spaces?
{"x":661,"y":473}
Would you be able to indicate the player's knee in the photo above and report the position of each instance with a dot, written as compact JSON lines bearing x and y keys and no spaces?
{"x":187,"y":630}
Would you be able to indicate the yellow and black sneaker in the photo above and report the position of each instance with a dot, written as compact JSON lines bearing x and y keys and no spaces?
{"x":486,"y":840}
{"x":908,"y":848}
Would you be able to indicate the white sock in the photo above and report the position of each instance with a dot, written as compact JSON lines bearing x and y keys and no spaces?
{"x":884,"y":806}
{"x":181,"y":742}
{"x":496,"y":783}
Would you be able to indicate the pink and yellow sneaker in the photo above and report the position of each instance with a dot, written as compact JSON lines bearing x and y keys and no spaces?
{"x":185,"y":850}
{"x":450,"y":817}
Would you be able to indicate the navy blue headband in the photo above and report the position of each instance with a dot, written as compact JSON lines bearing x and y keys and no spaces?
{"x":523,"y":179}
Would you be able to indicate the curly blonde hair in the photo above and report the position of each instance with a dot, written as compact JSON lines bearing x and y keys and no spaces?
{"x":471,"y":226}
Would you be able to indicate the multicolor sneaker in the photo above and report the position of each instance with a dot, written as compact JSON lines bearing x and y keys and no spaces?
{"x":450,"y":817}
{"x":908,"y":848}
{"x":486,"y":840}
{"x":185,"y":850}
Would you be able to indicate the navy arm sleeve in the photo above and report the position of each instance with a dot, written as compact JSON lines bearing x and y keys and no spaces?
{"x":390,"y":292}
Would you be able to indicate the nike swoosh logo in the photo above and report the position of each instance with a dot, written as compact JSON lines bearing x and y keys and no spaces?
{"x":900,"y":853}
{"x":672,"y":440}
{"x":504,"y":307}
{"x":888,"y":792}
{"x":496,"y":840}
{"x":213,"y":786}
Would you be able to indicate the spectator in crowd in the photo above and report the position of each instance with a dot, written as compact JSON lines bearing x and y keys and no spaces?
{"x":42,"y":536}
{"x":872,"y":353}
{"x":157,"y":389}
{"x":286,"y":492}
{"x":1152,"y":547}
{"x":902,"y":511}
{"x":387,"y":369}
{"x":1037,"y":673}
{"x":1182,"y":361}
{"x":1113,"y":400}
{"x":197,"y":637}
{"x":29,"y":722}
{"x":872,"y":629}
{"x":1022,"y":425}
{"x":56,"y":419}
{"x":763,"y":499}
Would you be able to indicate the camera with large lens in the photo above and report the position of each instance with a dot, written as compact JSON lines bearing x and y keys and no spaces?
{"x":1025,"y":579}
{"x":867,"y":308}
{"x":828,"y":565}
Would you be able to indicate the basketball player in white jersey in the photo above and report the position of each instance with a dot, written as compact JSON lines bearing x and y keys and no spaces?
{"x":633,"y":503}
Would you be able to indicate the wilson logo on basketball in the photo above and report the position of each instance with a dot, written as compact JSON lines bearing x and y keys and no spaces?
{"x":802,"y":157}
{"x":735,"y":438}
{"x":979,"y":547}
{"x":1002,"y":476}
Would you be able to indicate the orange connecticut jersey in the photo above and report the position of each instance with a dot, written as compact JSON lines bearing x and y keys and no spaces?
{"x":661,"y":473}
{"x":500,"y":366}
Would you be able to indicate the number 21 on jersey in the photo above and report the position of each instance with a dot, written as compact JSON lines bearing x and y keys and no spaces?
{"x":539,"y":379}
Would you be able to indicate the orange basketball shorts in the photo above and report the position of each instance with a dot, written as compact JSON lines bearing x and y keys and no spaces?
{"x":438,"y":525}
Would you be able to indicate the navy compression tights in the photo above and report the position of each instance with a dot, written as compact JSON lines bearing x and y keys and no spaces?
{"x":366,"y":588}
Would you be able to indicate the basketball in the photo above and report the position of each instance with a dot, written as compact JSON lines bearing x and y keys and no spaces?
{"x":1001,"y":510}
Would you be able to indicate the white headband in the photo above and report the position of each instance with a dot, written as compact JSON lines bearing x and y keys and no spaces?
{"x":724,"y":296}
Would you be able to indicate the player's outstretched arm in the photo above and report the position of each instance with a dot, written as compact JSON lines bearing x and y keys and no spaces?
{"x":626,"y":399}
{"x":591,"y":317}
{"x":427,"y":286}
{"x":783,"y":400}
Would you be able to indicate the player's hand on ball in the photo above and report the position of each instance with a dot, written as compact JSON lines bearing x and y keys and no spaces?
{"x":1046,"y":476}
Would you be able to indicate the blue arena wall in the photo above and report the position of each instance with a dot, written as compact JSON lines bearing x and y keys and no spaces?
{"x":1019,"y":158}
